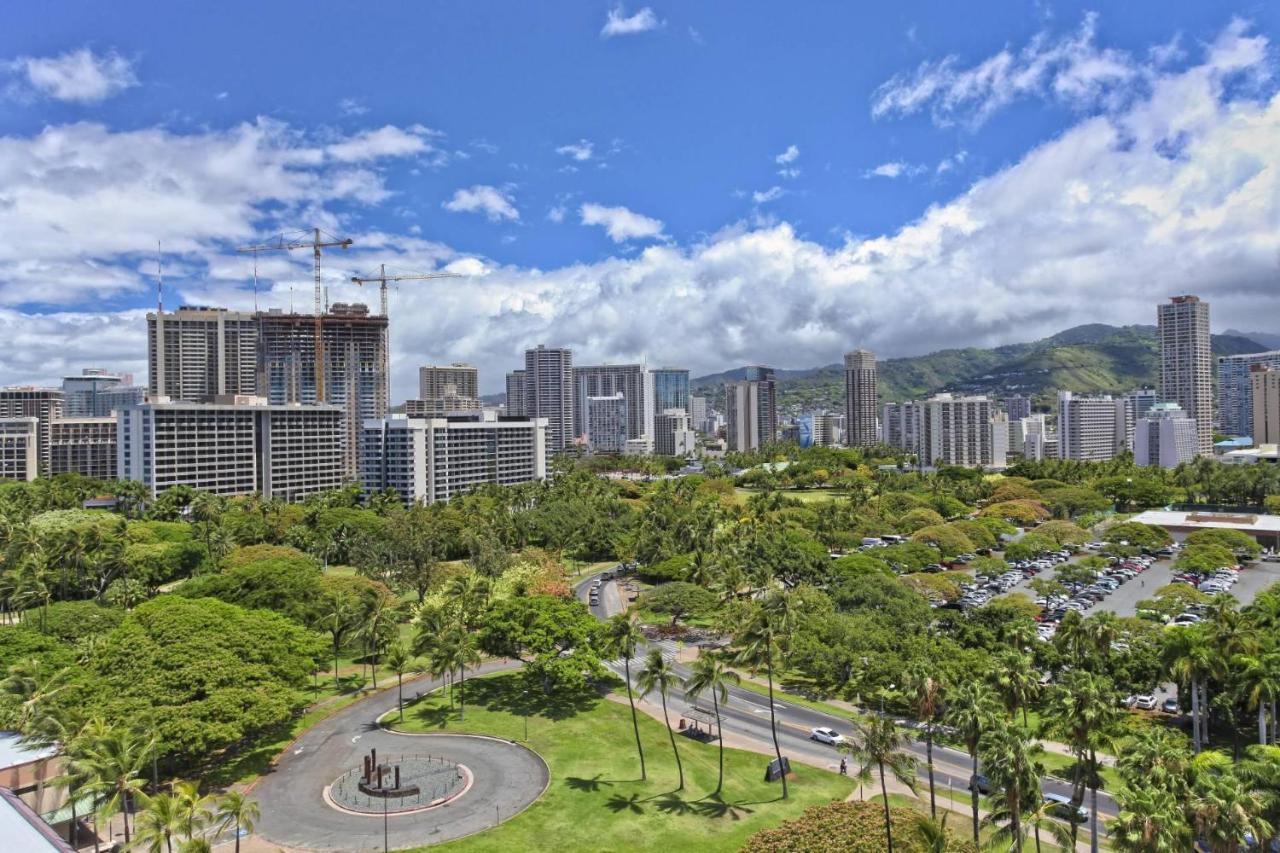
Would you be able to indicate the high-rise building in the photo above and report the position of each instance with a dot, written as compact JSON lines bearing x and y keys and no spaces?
{"x":83,"y":446}
{"x":606,"y":423}
{"x":899,"y":425}
{"x":1090,"y":429}
{"x":1235,"y":390}
{"x":1166,"y":437}
{"x":19,"y":448}
{"x":632,"y":381}
{"x":860,"y":398}
{"x":698,"y":412}
{"x":961,"y":431}
{"x":671,"y":389}
{"x":752,"y":410}
{"x":549,"y":393}
{"x":1017,"y":406}
{"x":1186,"y":363}
{"x":236,"y":445}
{"x":515,"y":393}
{"x":27,"y":401}
{"x":354,"y":343}
{"x":1136,"y":405}
{"x":433,"y":459}
{"x":1021,"y":429}
{"x":1038,"y":446}
{"x":96,"y":393}
{"x":1265,"y":394}
{"x":438,"y":407}
{"x":453,"y":380}
{"x":197,"y":351}
{"x":673,"y":433}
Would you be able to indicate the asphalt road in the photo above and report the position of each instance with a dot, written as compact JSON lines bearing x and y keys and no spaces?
{"x":507,"y":778}
{"x":747,"y":715}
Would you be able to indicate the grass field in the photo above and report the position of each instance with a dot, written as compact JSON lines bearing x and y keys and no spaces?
{"x":806,"y":495}
{"x":596,"y":800}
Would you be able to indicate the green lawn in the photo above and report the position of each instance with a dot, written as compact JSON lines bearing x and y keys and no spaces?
{"x":806,"y":495}
{"x":596,"y":800}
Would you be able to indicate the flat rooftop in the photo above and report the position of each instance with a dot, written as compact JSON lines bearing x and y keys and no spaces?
{"x":1204,"y":520}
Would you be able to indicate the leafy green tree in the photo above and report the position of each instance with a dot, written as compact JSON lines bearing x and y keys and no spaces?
{"x":949,"y":540}
{"x":554,"y":637}
{"x":679,"y":599}
{"x":1236,"y":541}
{"x":622,"y":637}
{"x":915,"y":519}
{"x":1135,"y":533}
{"x":877,"y":742}
{"x":710,"y":675}
{"x":659,"y":675}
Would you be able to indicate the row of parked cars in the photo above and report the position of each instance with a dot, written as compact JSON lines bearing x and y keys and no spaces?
{"x":1081,"y":597}
{"x":1148,"y":702}
{"x":978,"y":593}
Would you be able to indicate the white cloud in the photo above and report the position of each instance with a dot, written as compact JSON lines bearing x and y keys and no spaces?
{"x":789,"y":156}
{"x":386,"y":141}
{"x":580,"y":150}
{"x":620,"y":223}
{"x":620,"y":24}
{"x":494,"y":203}
{"x":352,"y":107}
{"x":1071,"y":69}
{"x":557,"y":213}
{"x":78,"y":75}
{"x":946,"y":164}
{"x":894,"y":169}
{"x":766,"y":196}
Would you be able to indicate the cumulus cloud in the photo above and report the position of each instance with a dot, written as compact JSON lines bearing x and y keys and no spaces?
{"x":894,"y":169}
{"x":620,"y":24}
{"x":1178,"y":191}
{"x":766,"y":196}
{"x":789,"y":156}
{"x":620,"y":223}
{"x":1072,"y":69}
{"x":580,"y":150}
{"x":494,"y":203}
{"x":78,"y":75}
{"x":386,"y":141}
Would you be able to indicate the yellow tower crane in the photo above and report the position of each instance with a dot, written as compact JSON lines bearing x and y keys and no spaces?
{"x":318,"y":240}
{"x":382,"y":279}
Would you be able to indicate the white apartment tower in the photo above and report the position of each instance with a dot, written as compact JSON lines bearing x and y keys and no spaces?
{"x":1090,"y":429}
{"x":632,"y":381}
{"x":606,"y":423}
{"x":549,"y":393}
{"x":1166,"y":437}
{"x":961,"y":431}
{"x":1186,"y":363}
{"x":899,"y":425}
{"x":1235,"y":390}
{"x":860,"y":398}
{"x":433,"y":459}
{"x":198,"y":351}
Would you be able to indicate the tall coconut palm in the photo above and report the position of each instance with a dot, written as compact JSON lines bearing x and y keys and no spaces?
{"x":1259,"y":675}
{"x":456,"y":651}
{"x":1260,"y":769}
{"x":761,"y":648}
{"x":972,"y":710}
{"x":399,"y":661}
{"x":1188,"y":658}
{"x":1151,"y":820}
{"x":877,"y":742}
{"x":657,"y":674}
{"x":193,"y":808}
{"x":622,"y":636}
{"x":1038,"y":818}
{"x":924,"y":692}
{"x":233,"y":810}
{"x":1156,"y":757}
{"x":1084,"y":710}
{"x":1009,"y":756}
{"x":1226,"y":811}
{"x":1017,"y":682}
{"x":337,"y":620}
{"x":118,"y":757}
{"x":710,"y":675}
{"x":159,"y":821}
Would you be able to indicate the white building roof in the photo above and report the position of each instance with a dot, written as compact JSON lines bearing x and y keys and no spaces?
{"x":15,"y":753}
{"x":1250,"y":523}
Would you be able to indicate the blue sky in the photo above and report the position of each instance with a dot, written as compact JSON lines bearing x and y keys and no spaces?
{"x":702,"y":184}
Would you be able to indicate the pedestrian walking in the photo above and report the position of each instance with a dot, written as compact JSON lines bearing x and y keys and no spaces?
{"x":844,"y":767}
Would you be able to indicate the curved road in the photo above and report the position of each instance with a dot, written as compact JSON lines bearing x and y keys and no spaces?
{"x":747,"y":715}
{"x":508,"y":778}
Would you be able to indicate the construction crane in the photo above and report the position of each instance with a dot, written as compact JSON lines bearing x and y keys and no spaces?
{"x":382,"y":278}
{"x":319,"y":240}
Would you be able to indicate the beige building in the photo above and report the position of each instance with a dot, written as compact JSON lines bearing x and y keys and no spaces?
{"x":751,"y":407}
{"x":860,"y":399}
{"x":1186,"y":363}
{"x":198,"y":351}
{"x":83,"y":446}
{"x":549,"y":393}
{"x":962,"y":431}
{"x":452,"y":380}
{"x":1265,"y":384}
{"x":27,"y":401}
{"x":1090,"y":429}
{"x":19,"y":448}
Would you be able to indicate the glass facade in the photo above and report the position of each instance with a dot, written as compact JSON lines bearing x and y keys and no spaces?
{"x":670,"y":389}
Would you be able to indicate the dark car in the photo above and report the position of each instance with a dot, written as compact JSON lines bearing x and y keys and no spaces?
{"x":980,"y":782}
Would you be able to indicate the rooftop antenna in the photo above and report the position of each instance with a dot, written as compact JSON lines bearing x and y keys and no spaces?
{"x":290,"y":297}
{"x":255,"y":282}
{"x":159,"y":279}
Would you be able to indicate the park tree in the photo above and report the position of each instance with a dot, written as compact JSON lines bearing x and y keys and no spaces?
{"x":554,"y":637}
{"x":1023,"y":513}
{"x":950,"y":541}
{"x":1235,"y":541}
{"x":913,"y":520}
{"x":1147,"y":536}
{"x":679,"y":599}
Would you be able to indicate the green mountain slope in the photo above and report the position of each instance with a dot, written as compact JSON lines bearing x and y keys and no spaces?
{"x":1094,"y":358}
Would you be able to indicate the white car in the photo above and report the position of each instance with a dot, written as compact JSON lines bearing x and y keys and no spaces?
{"x":825,"y":735}
{"x":1145,"y":702}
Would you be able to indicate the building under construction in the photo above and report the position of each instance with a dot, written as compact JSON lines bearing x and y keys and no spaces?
{"x":354,"y":343}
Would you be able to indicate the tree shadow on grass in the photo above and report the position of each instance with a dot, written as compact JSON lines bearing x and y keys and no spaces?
{"x":673,"y":805}
{"x":523,"y":696}
{"x":714,"y":806}
{"x":592,"y":785}
{"x":618,"y":804}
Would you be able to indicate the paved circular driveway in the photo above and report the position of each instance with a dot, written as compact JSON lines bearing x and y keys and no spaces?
{"x":508,"y":777}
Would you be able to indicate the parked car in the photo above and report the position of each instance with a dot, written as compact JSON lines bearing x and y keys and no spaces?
{"x":822,"y":734}
{"x":1170,"y":706}
{"x":1065,"y":808}
{"x":980,"y":782}
{"x":1145,"y":702}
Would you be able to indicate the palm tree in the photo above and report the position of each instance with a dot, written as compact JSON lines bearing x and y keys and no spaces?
{"x":337,"y":620}
{"x":1150,"y":821}
{"x":1157,"y":757}
{"x":236,"y":811}
{"x":1260,"y":676}
{"x":972,"y":710}
{"x":709,"y":674}
{"x":117,"y":758}
{"x":33,"y":688}
{"x":925,"y":694}
{"x":659,"y":675}
{"x":931,"y":833}
{"x":160,"y":820}
{"x":1225,"y":811}
{"x":1009,"y":755}
{"x":193,"y":807}
{"x":373,"y":627}
{"x":622,"y":636}
{"x":878,"y":742}
{"x":1017,"y":681}
{"x":457,"y":650}
{"x":1187,"y":657}
{"x":1260,"y":769}
{"x":1083,"y":710}
{"x":399,"y":661}
{"x":206,"y":509}
{"x":760,"y":650}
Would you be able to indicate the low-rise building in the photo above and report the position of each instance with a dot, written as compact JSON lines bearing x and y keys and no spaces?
{"x":433,"y":459}
{"x":236,"y":445}
{"x":439,"y":407}
{"x":673,"y":435}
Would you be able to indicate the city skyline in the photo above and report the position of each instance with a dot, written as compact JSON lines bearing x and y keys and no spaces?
{"x":911,"y":187}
